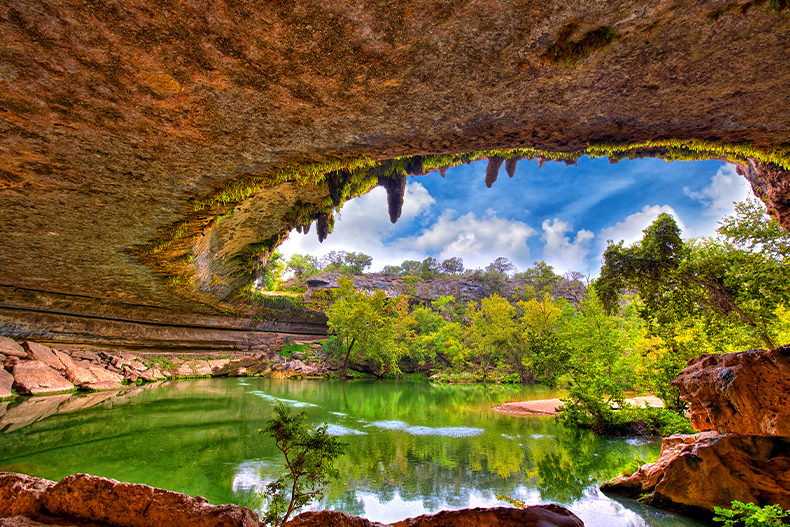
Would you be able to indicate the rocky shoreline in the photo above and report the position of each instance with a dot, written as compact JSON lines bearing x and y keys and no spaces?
{"x":738,"y":403}
{"x":35,"y":369}
{"x":82,"y":500}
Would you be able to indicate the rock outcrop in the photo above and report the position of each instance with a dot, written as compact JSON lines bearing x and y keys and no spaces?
{"x":87,"y":498}
{"x":739,"y":403}
{"x":695,"y":473}
{"x":743,"y":393}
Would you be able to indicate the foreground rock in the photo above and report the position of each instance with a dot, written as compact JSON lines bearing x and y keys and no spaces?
{"x":695,"y":473}
{"x":739,"y":403}
{"x":36,"y":378}
{"x":536,"y":515}
{"x":743,"y":393}
{"x":86,"y":498}
{"x":21,"y":494}
{"x":96,"y":499}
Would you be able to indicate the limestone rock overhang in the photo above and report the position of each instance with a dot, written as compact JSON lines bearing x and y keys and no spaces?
{"x":152,"y":153}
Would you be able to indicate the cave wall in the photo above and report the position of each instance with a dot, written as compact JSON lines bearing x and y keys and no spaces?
{"x":118,"y":117}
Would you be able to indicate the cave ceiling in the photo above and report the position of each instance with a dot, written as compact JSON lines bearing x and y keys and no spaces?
{"x":151,"y":152}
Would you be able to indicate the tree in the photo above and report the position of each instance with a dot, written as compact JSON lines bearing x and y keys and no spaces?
{"x":501,"y":265}
{"x":453,"y":266}
{"x":430,"y":268}
{"x":409,"y":267}
{"x":348,"y":263}
{"x":754,"y":230}
{"x":704,"y":279}
{"x":541,"y":275}
{"x":309,"y":456}
{"x":270,"y":274}
{"x":303,"y":266}
{"x":370,"y":325}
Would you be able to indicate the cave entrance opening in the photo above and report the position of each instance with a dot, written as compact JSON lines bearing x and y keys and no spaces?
{"x":562,"y":213}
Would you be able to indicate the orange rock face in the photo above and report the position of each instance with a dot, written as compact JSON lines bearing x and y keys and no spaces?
{"x":698,"y":472}
{"x":535,"y":516}
{"x":134,"y":505}
{"x":743,"y":393}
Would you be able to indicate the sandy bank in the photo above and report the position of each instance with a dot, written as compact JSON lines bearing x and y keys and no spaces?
{"x":552,"y":406}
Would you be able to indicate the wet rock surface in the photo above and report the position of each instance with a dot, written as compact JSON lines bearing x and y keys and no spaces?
{"x":743,"y":393}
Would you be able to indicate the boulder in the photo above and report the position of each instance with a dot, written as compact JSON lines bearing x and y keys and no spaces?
{"x":105,"y":379}
{"x":10,"y":348}
{"x":86,"y":355}
{"x":534,"y":516}
{"x":6,"y":382}
{"x":743,"y":393}
{"x":217,"y":365}
{"x":88,"y":376}
{"x":698,"y":472}
{"x":133,"y":505}
{"x":330,"y":519}
{"x":21,"y":494}
{"x":42,"y":353}
{"x":35,"y":378}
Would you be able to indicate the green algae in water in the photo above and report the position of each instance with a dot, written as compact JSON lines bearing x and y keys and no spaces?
{"x":413,"y":448}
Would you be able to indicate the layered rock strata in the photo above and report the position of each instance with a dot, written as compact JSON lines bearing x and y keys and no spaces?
{"x":145,"y":147}
{"x":81,"y":498}
{"x":739,"y":403}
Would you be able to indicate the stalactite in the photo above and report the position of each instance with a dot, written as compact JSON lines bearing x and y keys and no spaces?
{"x":326,"y":222}
{"x":306,"y":227}
{"x":492,"y":170}
{"x":396,"y":189}
{"x":510,"y":165}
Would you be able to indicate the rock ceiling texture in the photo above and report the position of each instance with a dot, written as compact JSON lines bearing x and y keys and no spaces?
{"x":118,"y":117}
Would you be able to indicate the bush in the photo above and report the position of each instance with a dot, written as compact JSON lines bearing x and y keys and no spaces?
{"x":585,"y":410}
{"x":750,"y":515}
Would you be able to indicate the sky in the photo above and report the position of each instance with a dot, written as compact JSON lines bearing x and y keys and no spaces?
{"x":561,"y":215}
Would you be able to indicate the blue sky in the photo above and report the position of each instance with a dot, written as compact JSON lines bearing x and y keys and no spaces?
{"x":559,"y":214}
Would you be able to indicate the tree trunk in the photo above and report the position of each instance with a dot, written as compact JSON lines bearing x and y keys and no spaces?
{"x":345,"y":359}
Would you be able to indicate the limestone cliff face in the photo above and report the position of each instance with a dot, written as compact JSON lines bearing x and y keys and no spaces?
{"x":140,"y":141}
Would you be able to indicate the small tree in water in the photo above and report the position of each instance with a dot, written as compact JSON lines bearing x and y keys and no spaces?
{"x":309,"y":456}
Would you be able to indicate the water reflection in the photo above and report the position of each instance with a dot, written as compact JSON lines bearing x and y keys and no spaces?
{"x":413,"y":448}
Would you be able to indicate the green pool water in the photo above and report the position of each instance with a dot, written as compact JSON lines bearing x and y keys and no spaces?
{"x":413,"y":448}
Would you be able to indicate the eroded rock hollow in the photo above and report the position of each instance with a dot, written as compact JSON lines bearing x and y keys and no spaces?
{"x":152,"y":154}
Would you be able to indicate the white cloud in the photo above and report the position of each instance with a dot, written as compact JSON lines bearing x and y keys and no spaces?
{"x":726,"y":186}
{"x":477,"y":240}
{"x":362,"y":225}
{"x":562,"y":253}
{"x":630,"y":229}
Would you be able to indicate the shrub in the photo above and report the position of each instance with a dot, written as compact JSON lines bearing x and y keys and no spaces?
{"x":751,"y":515}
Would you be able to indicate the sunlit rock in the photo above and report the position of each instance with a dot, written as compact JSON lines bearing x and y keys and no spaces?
{"x":10,"y":348}
{"x":42,"y":353}
{"x":134,"y":505}
{"x":743,"y":393}
{"x":21,"y":494}
{"x":696,"y":473}
{"x":36,"y":378}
